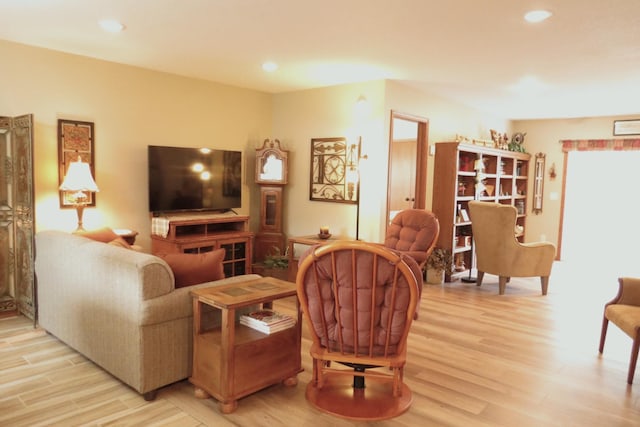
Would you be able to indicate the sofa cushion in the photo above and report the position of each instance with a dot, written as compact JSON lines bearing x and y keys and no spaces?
{"x":104,"y":235}
{"x":191,"y":269}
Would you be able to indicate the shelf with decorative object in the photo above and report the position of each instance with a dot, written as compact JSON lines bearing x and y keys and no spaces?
{"x":465,"y":172}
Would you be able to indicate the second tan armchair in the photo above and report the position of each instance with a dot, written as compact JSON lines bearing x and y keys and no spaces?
{"x":624,"y":312}
{"x":499,"y":252}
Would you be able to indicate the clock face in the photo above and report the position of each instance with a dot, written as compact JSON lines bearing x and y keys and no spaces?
{"x":271,"y":166}
{"x":334,"y":169}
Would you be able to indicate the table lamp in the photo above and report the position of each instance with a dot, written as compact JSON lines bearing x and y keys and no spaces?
{"x":79,"y":181}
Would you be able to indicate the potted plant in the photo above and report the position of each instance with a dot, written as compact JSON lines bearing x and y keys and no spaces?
{"x":438,"y":264}
{"x":276,"y":264}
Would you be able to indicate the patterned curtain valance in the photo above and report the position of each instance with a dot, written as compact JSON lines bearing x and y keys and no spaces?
{"x":600,"y":144}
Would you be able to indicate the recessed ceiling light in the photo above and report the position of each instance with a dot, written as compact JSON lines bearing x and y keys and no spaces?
{"x":537,"y":15}
{"x":111,"y":25}
{"x":269,"y":66}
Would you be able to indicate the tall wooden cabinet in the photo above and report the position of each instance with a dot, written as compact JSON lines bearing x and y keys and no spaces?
{"x":204,"y":233}
{"x":465,"y":172}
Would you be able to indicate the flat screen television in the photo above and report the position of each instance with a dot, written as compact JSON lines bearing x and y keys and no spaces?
{"x":185,"y":179}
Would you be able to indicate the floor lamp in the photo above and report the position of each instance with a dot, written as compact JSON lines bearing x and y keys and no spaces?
{"x":353,"y":180}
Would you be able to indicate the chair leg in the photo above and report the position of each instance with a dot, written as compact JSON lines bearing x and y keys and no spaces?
{"x":603,"y":333}
{"x":479,"y":278}
{"x":502,"y":284}
{"x":634,"y":357}
{"x":544,"y":281}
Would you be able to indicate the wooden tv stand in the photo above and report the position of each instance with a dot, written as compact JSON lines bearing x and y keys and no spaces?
{"x":199,"y":233}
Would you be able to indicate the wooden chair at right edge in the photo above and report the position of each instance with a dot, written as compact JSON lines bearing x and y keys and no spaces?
{"x":358,"y":301}
{"x":624,"y":312}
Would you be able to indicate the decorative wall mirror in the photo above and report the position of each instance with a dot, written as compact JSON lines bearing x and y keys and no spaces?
{"x":271,"y":163}
{"x":538,"y":183}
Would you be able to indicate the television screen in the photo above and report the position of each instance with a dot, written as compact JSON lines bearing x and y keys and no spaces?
{"x":194,"y":179}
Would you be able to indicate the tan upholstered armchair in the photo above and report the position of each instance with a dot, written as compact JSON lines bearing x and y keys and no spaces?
{"x":414,"y":232}
{"x":499,"y":252}
{"x":358,"y":301}
{"x":624,"y":312}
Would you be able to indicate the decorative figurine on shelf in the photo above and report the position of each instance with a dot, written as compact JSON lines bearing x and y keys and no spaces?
{"x":462,"y":188}
{"x":459,"y":263}
{"x":500,"y":140}
{"x":517,"y":142}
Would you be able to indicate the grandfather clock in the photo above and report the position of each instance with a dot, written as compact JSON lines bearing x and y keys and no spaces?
{"x":271,"y":175}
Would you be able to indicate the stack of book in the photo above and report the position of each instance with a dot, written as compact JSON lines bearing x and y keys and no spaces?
{"x":267,"y":321}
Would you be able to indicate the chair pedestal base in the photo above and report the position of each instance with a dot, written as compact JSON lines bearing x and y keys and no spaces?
{"x":374,"y":402}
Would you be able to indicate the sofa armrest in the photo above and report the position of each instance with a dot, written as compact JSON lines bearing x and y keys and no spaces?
{"x":178,"y":304}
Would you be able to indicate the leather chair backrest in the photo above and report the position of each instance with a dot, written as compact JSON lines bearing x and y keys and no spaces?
{"x":360,"y":298}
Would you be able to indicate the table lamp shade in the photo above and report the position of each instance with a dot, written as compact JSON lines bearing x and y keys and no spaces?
{"x":78,"y":178}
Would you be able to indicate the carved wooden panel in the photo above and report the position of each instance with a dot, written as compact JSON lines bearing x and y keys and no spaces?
{"x":17,"y":279}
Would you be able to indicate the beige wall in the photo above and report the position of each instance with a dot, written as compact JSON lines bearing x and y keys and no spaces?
{"x":328,"y":112}
{"x":446,"y":120}
{"x":131,"y":108}
{"x":324,"y":113}
{"x":544,"y":136}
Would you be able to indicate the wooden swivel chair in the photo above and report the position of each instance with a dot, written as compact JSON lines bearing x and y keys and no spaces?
{"x":358,"y":301}
{"x":624,"y":312}
{"x":499,"y":252}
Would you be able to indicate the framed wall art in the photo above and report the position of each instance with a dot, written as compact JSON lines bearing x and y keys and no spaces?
{"x":75,"y":139}
{"x":330,"y":163}
{"x":626,"y":127}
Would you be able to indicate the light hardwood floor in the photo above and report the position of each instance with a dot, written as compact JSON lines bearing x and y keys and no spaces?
{"x":475,"y":359}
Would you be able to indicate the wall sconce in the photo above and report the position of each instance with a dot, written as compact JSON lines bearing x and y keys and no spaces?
{"x":552,"y":172}
{"x":362,"y":107}
{"x":79,"y":181}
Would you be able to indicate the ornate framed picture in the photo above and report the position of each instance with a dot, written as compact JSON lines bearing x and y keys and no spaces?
{"x":330,"y":164}
{"x":75,"y":139}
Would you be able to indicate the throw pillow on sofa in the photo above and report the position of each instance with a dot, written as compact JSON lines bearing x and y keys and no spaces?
{"x":192,"y":269}
{"x":104,"y":234}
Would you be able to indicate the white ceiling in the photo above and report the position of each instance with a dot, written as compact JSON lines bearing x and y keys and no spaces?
{"x":586,"y":57}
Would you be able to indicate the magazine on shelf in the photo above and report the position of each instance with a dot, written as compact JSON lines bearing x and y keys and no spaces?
{"x":267,"y":321}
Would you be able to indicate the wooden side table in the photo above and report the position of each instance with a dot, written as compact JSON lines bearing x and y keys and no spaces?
{"x":231,"y":360}
{"x":303,"y":240}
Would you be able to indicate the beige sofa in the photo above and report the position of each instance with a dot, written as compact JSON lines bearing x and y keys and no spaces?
{"x":117,"y":307}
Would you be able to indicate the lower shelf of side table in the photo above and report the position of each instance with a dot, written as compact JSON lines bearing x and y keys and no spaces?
{"x":259,"y":360}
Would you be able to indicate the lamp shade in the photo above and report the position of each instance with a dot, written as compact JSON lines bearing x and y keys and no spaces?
{"x":78,"y":178}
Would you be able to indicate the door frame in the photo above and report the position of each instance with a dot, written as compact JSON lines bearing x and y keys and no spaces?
{"x":422,"y":146}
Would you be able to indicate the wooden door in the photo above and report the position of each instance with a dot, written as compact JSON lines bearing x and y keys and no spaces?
{"x":402,"y":177}
{"x":407,"y":174}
